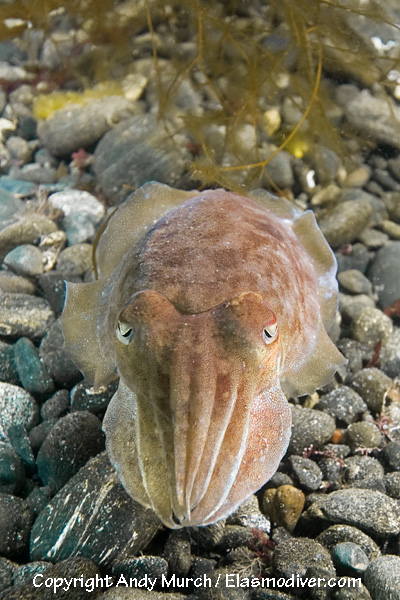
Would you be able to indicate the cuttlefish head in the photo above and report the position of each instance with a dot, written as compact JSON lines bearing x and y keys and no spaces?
{"x":200,"y":421}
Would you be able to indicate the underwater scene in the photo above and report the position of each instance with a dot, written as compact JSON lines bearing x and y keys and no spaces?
{"x":200,"y":299}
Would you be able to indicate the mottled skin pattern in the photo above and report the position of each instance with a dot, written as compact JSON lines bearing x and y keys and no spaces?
{"x":207,"y":308}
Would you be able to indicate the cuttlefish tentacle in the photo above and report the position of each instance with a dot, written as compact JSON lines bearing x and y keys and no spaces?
{"x":192,"y":423}
{"x":268,"y":434}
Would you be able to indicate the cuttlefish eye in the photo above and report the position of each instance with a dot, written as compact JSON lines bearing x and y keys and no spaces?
{"x":270,"y":333}
{"x":124,"y":333}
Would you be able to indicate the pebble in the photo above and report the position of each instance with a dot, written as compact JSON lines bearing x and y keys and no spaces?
{"x":75,"y":260}
{"x":249,"y":515}
{"x":12,"y":475}
{"x":32,"y":372}
{"x":371,"y":326}
{"x":373,"y":239}
{"x":76,"y":127}
{"x":343,"y":404}
{"x":34,"y":173}
{"x":6,"y":573}
{"x":280,"y":170}
{"x":82,"y":212}
{"x":372,"y":385}
{"x":359,"y":177}
{"x":359,"y":592}
{"x":207,"y":537}
{"x":392,"y":203}
{"x":391,"y":229}
{"x":15,"y":526}
{"x":27,"y":230}
{"x":38,"y":434}
{"x":19,"y":440}
{"x":355,"y":282}
{"x":44,"y":158}
{"x":326,"y":163}
{"x":343,"y":223}
{"x":177,"y":551}
{"x":50,"y":247}
{"x":351,"y":307}
{"x":370,"y":510}
{"x":17,"y":187}
{"x":64,"y":570}
{"x":95,"y":400}
{"x":138,"y":567}
{"x":37,"y":499}
{"x":363,"y":435}
{"x":79,"y":228}
{"x":25,"y":573}
{"x":93,"y":507}
{"x":19,"y":149}
{"x":332,"y":472}
{"x":56,"y":406}
{"x":56,"y":358}
{"x":53,"y":287}
{"x":337,"y":534}
{"x":348,"y":556}
{"x":371,"y":116}
{"x":310,"y":427}
{"x":9,"y":205}
{"x":360,"y":467}
{"x":384,"y":178}
{"x":122,"y":593}
{"x":358,"y":258}
{"x":279,"y":479}
{"x":8,"y":368}
{"x":306,"y":473}
{"x":72,"y":441}
{"x":202,"y":567}
{"x":15,"y":284}
{"x":295,"y":556}
{"x":382,"y":578}
{"x":356,"y":353}
{"x":134,"y":152}
{"x":394,"y":167}
{"x":391,"y":455}
{"x":284,"y":505}
{"x":325,"y":195}
{"x":5,"y":158}
{"x":9,"y":72}
{"x":370,"y":481}
{"x":72,"y":202}
{"x":17,"y":407}
{"x":391,"y":368}
{"x":381,"y":271}
{"x":392,"y":416}
{"x":392,"y":484}
{"x":390,"y":350}
{"x":234,"y":536}
{"x":24,"y":315}
{"x":220,"y":590}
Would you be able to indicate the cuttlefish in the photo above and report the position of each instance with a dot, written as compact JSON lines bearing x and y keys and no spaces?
{"x":209,"y":306}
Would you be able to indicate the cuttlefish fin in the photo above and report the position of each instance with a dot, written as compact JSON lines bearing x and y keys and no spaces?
{"x":119,"y":425}
{"x":324,"y":263}
{"x":79,"y":324}
{"x":308,"y":232}
{"x":318,"y":369}
{"x":281,"y":207}
{"x":129,"y":223}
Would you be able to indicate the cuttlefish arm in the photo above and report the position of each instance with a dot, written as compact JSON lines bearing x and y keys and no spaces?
{"x":198,"y":395}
